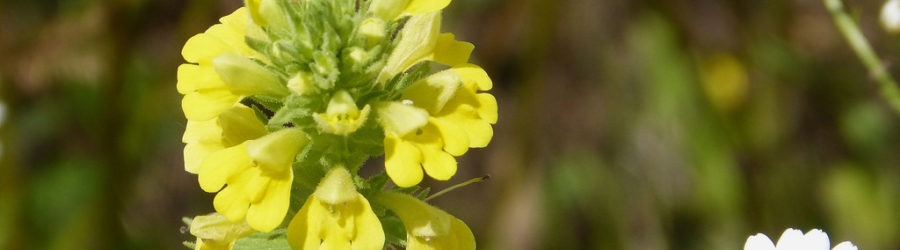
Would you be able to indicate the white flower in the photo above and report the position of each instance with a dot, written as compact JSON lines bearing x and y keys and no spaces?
{"x":890,"y":16}
{"x":793,"y":239}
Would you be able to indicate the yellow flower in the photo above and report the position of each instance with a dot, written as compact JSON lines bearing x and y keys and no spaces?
{"x":215,"y":232}
{"x":336,"y":217}
{"x":458,"y":117}
{"x":342,"y":117}
{"x":232,"y":127}
{"x":421,"y":40}
{"x":219,"y":76}
{"x":427,"y":227}
{"x":258,"y":175}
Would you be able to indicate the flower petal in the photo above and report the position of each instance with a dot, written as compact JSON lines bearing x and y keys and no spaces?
{"x":220,"y":165}
{"x":202,"y":48}
{"x":399,"y":119}
{"x":402,"y":162}
{"x":438,"y":164}
{"x":192,"y":77}
{"x":474,"y":77}
{"x":479,"y":131}
{"x":790,"y":239}
{"x":369,"y":234}
{"x":237,"y":20}
{"x":202,"y":131}
{"x":303,"y":232}
{"x":456,"y":140}
{"x":231,"y":203}
{"x":425,"y":6}
{"x":266,"y":214}
{"x":207,"y":104}
{"x":417,"y":41}
{"x":449,"y":51}
{"x":846,"y":245}
{"x":194,"y":153}
{"x":816,"y":240}
{"x":759,"y":242}
{"x":487,"y":107}
{"x":463,"y":236}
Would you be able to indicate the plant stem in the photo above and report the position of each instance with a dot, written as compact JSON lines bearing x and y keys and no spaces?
{"x":466,"y":183}
{"x":848,"y":27}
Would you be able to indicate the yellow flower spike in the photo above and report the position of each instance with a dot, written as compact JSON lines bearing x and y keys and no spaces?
{"x":258,"y":177}
{"x":215,"y":232}
{"x":336,"y":217}
{"x":427,"y":227}
{"x":342,"y":117}
{"x":230,"y":128}
{"x":245,"y":77}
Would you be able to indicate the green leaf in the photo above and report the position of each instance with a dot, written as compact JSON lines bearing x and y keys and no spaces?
{"x":275,"y":240}
{"x":394,"y":232}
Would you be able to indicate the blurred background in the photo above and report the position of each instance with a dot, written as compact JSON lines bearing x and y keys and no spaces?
{"x":654,"y":124}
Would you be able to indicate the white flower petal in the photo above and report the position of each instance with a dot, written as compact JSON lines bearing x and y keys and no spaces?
{"x":846,"y":245}
{"x":791,"y":239}
{"x":759,"y":242}
{"x":816,"y":240}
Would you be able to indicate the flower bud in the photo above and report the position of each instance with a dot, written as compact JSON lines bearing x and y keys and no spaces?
{"x":355,"y":57}
{"x":336,"y":187}
{"x":301,"y":84}
{"x":373,"y":29}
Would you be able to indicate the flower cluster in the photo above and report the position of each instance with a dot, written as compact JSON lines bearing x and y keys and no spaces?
{"x":286,"y":99}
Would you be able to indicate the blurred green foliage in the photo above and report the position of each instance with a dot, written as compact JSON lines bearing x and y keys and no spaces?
{"x":623,"y":124}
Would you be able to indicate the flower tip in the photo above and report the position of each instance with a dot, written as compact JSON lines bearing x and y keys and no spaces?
{"x":846,"y":245}
{"x":759,"y":242}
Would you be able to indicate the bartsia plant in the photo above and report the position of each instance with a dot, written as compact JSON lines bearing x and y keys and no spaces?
{"x":285,"y":101}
